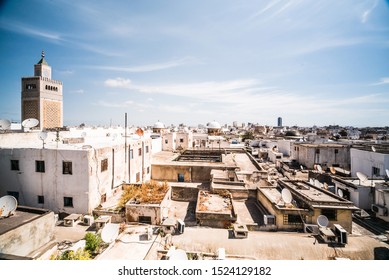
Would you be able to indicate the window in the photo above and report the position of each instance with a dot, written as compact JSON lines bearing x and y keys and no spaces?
{"x":336,"y":151}
{"x":139,"y":151}
{"x":181,"y":177}
{"x":131,"y":154}
{"x":292,"y":220}
{"x":147,"y":149}
{"x":166,"y":141}
{"x":331,"y":214}
{"x":145,"y":220}
{"x":41,"y":199}
{"x":138,"y":176}
{"x":317,"y":151}
{"x":104,"y":164}
{"x":181,"y":140}
{"x":67,"y":167}
{"x":376,"y":171}
{"x":15,"y":164}
{"x":68,"y":201}
{"x":40,"y":166}
{"x":14,"y":194}
{"x":148,"y":170}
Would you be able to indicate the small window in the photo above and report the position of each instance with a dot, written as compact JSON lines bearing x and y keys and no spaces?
{"x":104,"y":164}
{"x":41,"y":199}
{"x":147,"y":149}
{"x":376,"y":171}
{"x":15,"y":164}
{"x":166,"y":141}
{"x":331,"y":214}
{"x":148,"y":170}
{"x":181,"y":140}
{"x":317,"y":151}
{"x":131,"y":154}
{"x":139,"y":151}
{"x":336,"y":151}
{"x":40,"y":166}
{"x":67,"y":167}
{"x":181,"y":177}
{"x":68,"y":201}
{"x":14,"y":194}
{"x":138,"y":176}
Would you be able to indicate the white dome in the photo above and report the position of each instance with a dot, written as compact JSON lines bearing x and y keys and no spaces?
{"x":214,"y":125}
{"x":159,"y":125}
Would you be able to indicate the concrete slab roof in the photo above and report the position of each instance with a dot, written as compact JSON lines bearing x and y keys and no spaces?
{"x":209,"y":202}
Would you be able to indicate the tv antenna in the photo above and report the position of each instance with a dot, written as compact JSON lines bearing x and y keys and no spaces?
{"x":8,"y":205}
{"x":5,"y":124}
{"x":30,"y":123}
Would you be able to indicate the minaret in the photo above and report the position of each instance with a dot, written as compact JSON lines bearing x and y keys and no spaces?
{"x":42,"y":97}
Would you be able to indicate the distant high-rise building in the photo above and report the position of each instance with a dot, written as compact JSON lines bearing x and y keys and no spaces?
{"x":279,"y":121}
{"x":42,"y":97}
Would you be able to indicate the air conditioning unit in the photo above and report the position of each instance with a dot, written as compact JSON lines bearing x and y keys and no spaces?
{"x":88,"y":220}
{"x":269,"y":219}
{"x":379,"y":209}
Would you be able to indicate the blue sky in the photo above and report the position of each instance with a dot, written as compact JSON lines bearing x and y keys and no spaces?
{"x":312,"y":62}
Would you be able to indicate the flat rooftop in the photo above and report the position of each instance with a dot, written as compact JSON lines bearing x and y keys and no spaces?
{"x":22,"y":215}
{"x":209,"y":202}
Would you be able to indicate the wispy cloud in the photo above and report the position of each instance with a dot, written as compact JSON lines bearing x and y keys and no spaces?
{"x":150,"y":67}
{"x":124,"y":104}
{"x":383,"y":81}
{"x":32,"y":31}
{"x":78,"y":91}
{"x":367,"y":12}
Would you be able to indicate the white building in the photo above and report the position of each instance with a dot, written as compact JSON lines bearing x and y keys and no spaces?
{"x":180,"y":140}
{"x":72,"y":171}
{"x":369,"y":162}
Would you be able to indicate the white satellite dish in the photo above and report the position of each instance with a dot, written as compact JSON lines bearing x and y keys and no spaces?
{"x":301,"y":167}
{"x":373,"y":149}
{"x":42,"y":135}
{"x":29,"y":123}
{"x":362,"y":177}
{"x":340,"y":193}
{"x":286,"y":195}
{"x":317,"y":183}
{"x":8,"y":205}
{"x":178,"y":255}
{"x":322,"y":221}
{"x":165,"y":213}
{"x":319,"y":168}
{"x":5,"y":124}
{"x":387,"y":172}
{"x":311,"y":181}
{"x":110,"y":232}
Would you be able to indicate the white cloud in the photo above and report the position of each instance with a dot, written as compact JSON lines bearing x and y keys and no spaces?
{"x":30,"y":30}
{"x":125,"y":104}
{"x":118,"y":83}
{"x":150,"y":67}
{"x":383,"y":81}
{"x":367,"y":12}
{"x":77,"y":91}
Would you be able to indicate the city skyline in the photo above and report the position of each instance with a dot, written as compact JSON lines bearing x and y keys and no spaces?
{"x":312,"y":63}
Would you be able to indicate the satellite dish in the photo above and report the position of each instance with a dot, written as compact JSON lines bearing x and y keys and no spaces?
{"x":165,"y":213}
{"x":311,"y":181}
{"x":178,"y":255}
{"x":286,"y":195}
{"x":362,"y":177}
{"x":387,"y":172}
{"x":319,"y":168}
{"x":301,"y":167}
{"x":110,"y":232}
{"x":373,"y":149}
{"x":42,"y":135}
{"x":340,"y":193}
{"x":8,"y":205}
{"x":322,"y":221}
{"x":332,"y":170}
{"x":28,"y":123}
{"x":139,"y":132}
{"x":315,"y":167}
{"x":5,"y":124}
{"x":317,"y":183}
